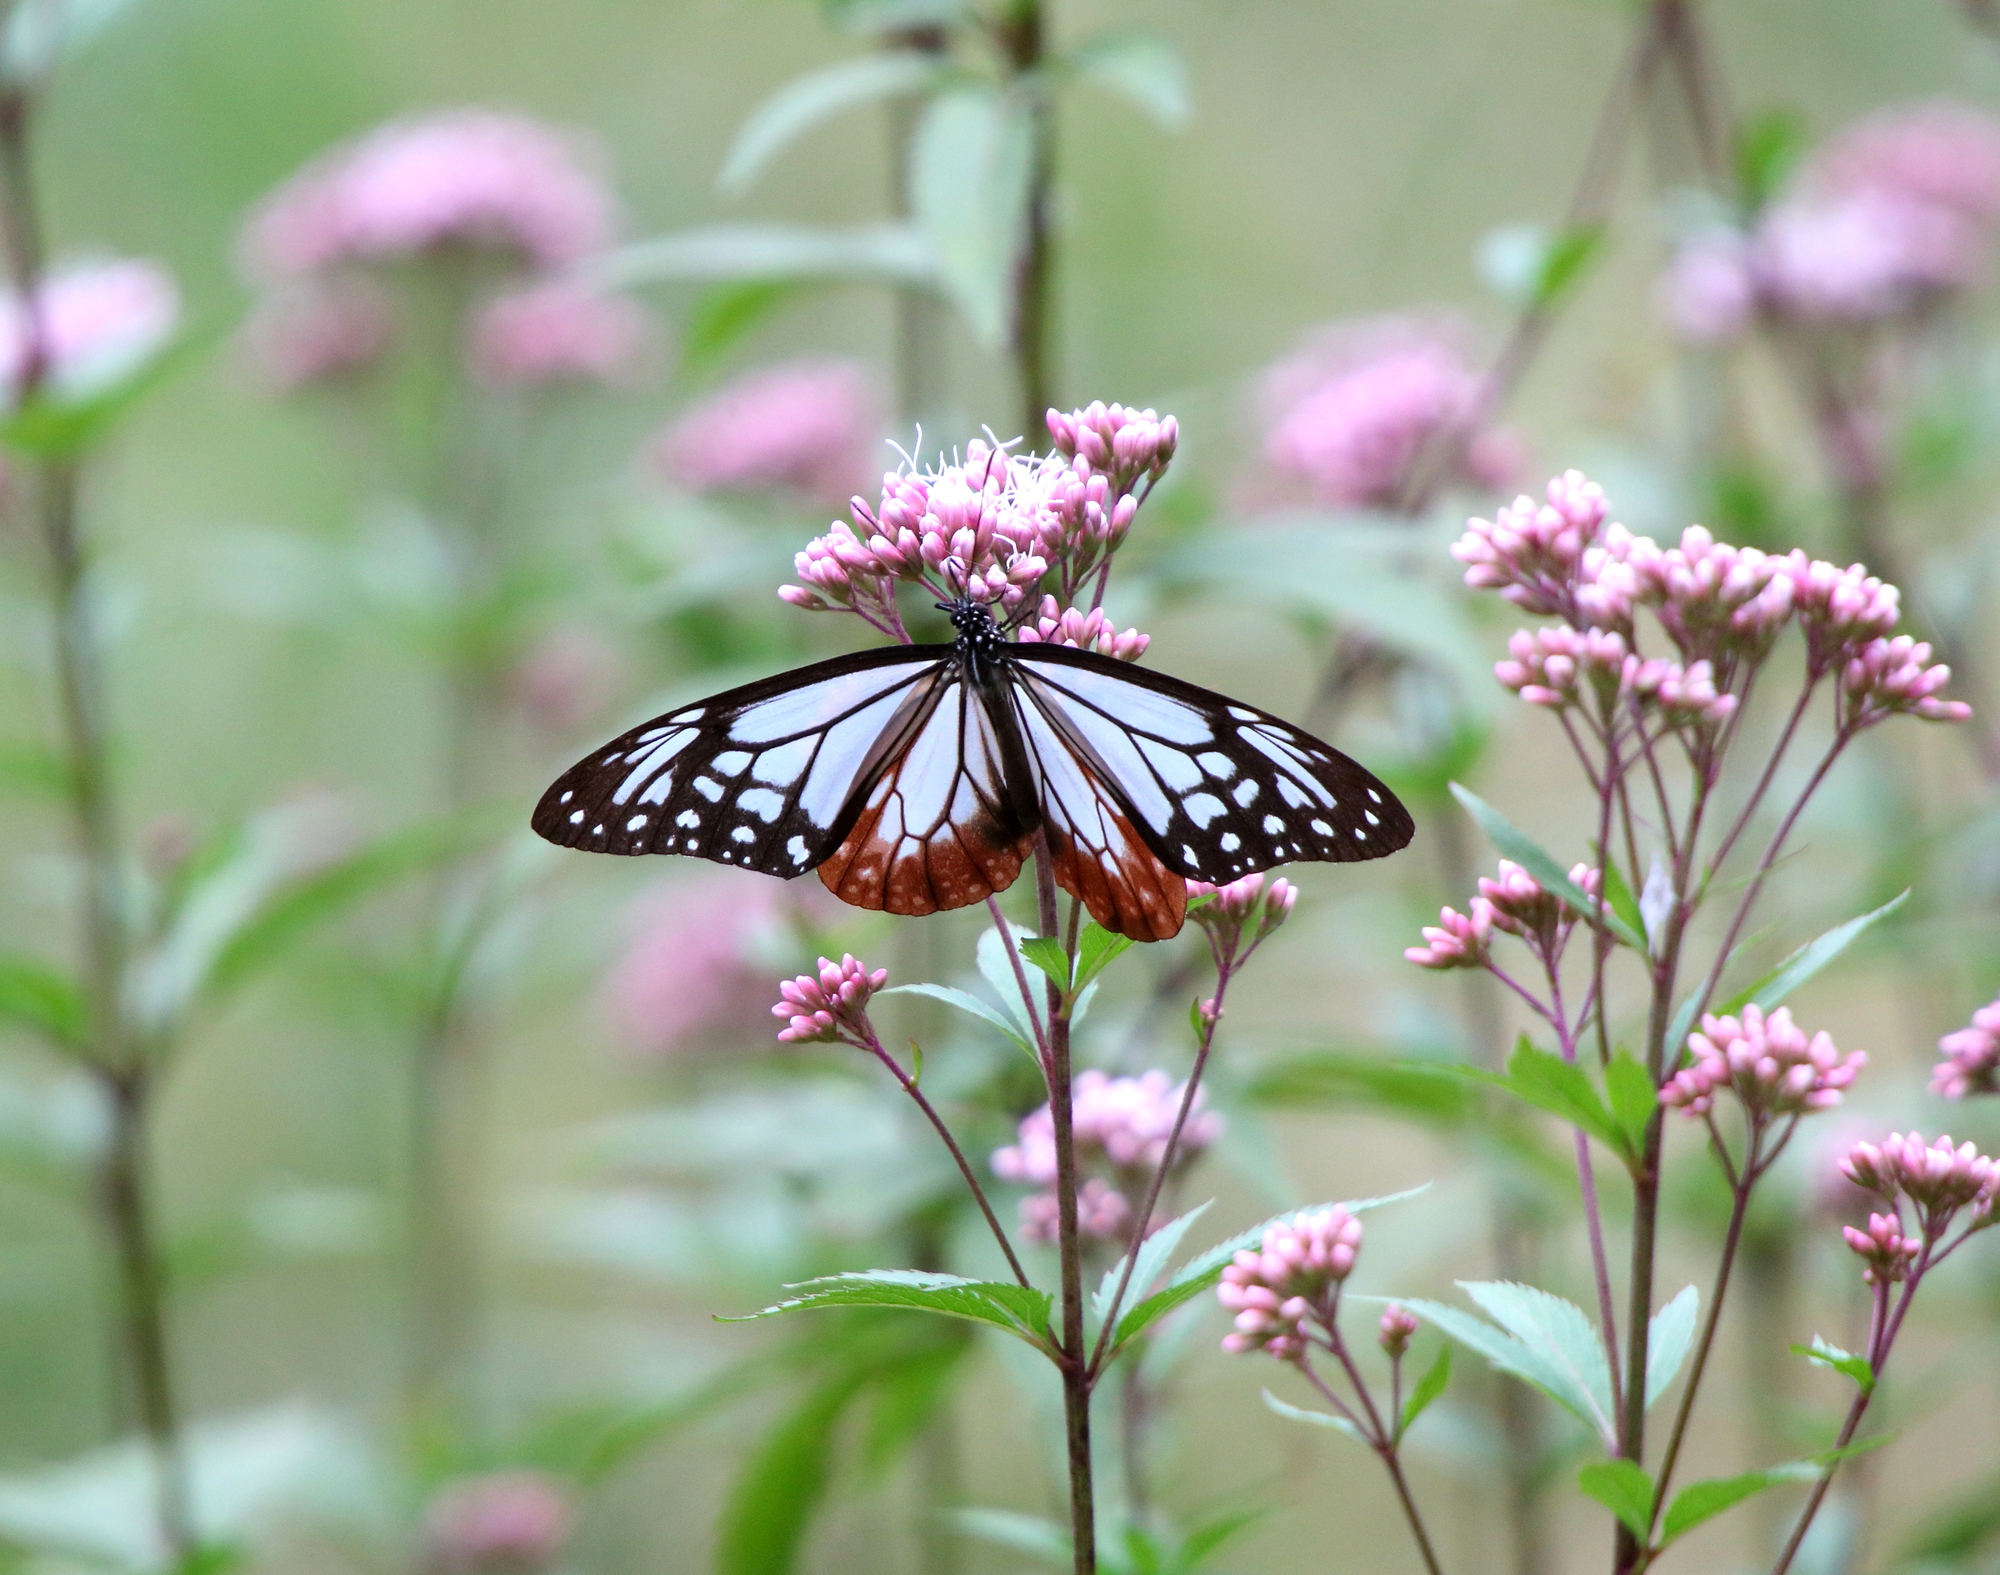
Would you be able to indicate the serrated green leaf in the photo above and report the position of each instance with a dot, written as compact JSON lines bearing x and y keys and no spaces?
{"x":1046,"y":953}
{"x":1020,"y":1310}
{"x":1770,"y":991}
{"x":1623,"y":1488}
{"x":1154,"y":1252}
{"x":1141,"y":68}
{"x":1546,"y":1342}
{"x":1097,"y":949}
{"x":816,"y":97}
{"x":722,"y":314}
{"x":1437,"y":1377}
{"x":1823,"y":1353}
{"x":1538,"y":862}
{"x":970,"y":1004}
{"x":42,"y":999}
{"x":1634,"y":1100}
{"x":1668,"y":1338}
{"x":970,"y":163}
{"x":1294,"y":1413}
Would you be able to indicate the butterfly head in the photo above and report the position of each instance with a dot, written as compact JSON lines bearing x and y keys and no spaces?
{"x":968,"y":616}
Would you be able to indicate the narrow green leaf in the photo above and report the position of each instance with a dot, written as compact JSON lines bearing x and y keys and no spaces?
{"x":771,"y":1503}
{"x":1020,"y":1310}
{"x":1678,"y":1030}
{"x":1154,"y":1252}
{"x":1768,"y":146}
{"x":1210,"y":1535}
{"x":909,"y":1393}
{"x":1097,"y":949}
{"x":1668,"y":1338}
{"x":1769,"y":991}
{"x":1424,"y":1090}
{"x":1619,"y":895}
{"x":1141,"y":68}
{"x":1327,"y":1419}
{"x":890,"y":253}
{"x":970,"y":1004}
{"x":722,"y":314}
{"x":41,"y":999}
{"x":1823,"y":1353}
{"x":1538,"y":862}
{"x":1623,"y":1488}
{"x":1634,"y":1100}
{"x":1700,"y":1501}
{"x":817,"y":96}
{"x":1429,"y":1387}
{"x":998,"y":965}
{"x":53,"y":426}
{"x":1030,"y":1534}
{"x":1047,"y":954}
{"x":916,"y":1064}
{"x":1568,"y":256}
{"x":1546,"y":1081}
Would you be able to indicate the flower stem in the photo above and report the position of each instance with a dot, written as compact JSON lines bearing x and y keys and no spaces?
{"x":1023,"y":37}
{"x":1074,"y":1364}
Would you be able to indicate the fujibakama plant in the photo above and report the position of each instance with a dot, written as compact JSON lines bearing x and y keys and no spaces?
{"x":1045,"y":866}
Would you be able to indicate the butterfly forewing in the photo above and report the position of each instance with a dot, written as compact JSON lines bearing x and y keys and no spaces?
{"x":762,"y":777}
{"x":1217,"y":789}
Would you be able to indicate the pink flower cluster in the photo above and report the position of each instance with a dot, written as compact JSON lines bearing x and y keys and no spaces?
{"x":1353,"y":410}
{"x":1722,"y":607}
{"x":503,"y":1523}
{"x":1088,"y":631}
{"x":1888,"y":1254}
{"x":1242,"y":914}
{"x":513,"y":195}
{"x":93,"y":323}
{"x":1295,"y":1275}
{"x":830,"y":1008}
{"x":1768,"y":1063}
{"x":1514,"y":903}
{"x":1971,"y":1057}
{"x":1894,"y":214}
{"x":1121,"y":1124}
{"x":1936,"y":1179}
{"x":994,"y":525}
{"x":807,"y":427}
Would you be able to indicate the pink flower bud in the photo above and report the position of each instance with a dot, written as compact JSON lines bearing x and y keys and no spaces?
{"x":1456,"y":940}
{"x":1768,"y":1063}
{"x":830,"y":1007}
{"x":1396,"y":1328}
{"x":1971,"y":1057}
{"x":505,"y":1523}
{"x":1883,"y":1247}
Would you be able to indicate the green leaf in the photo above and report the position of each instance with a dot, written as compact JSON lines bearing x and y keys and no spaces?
{"x":892,"y":253}
{"x":1619,"y":896}
{"x":1768,"y":992}
{"x":1429,"y":1387}
{"x":817,"y":96}
{"x":1141,"y":68}
{"x":1567,"y":259}
{"x":765,"y":1515}
{"x":1207,"y":1537}
{"x":1546,"y":1342}
{"x":1623,"y":1488}
{"x":970,"y":163}
{"x":1047,"y":954}
{"x":1424,"y":1090}
{"x":1020,"y":1310}
{"x":722,"y":314}
{"x":1768,"y":146}
{"x":967,"y":1003}
{"x":1700,"y":1501}
{"x":1823,"y":1353}
{"x":1154,"y":1252}
{"x":1668,"y":1338}
{"x":41,"y":999}
{"x":53,"y":426}
{"x":995,"y":955}
{"x":1097,"y":949}
{"x":1533,"y":858}
{"x":1546,"y":1081}
{"x":1529,"y":266}
{"x":909,"y":1394}
{"x":1327,"y":1419}
{"x":1634,"y":1100}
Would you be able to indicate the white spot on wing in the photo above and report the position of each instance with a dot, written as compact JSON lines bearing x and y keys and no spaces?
{"x":707,"y":789}
{"x":1189,"y":854}
{"x":797,"y":848}
{"x":1360,"y":835}
{"x":1274,"y":824}
{"x":1202,"y":808}
{"x":576,"y":818}
{"x":1322,"y":828}
{"x":687,"y":817}
{"x":762,"y":803}
{"x":567,"y":796}
{"x":635,"y":822}
{"x":1231,"y":842}
{"x":1243,"y":715}
{"x":1377,"y":797}
{"x":1217,"y":765}
{"x":730,"y":762}
{"x":1371,"y":817}
{"x":743,"y":834}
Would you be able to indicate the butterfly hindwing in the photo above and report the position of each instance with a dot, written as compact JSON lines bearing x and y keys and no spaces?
{"x":761,"y":777}
{"x":1216,"y":789}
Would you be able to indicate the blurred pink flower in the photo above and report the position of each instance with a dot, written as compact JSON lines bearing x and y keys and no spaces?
{"x":471,"y":178}
{"x":810,"y":427}
{"x":1970,"y":1061}
{"x":95,"y":322}
{"x":1349,"y":413}
{"x":1709,"y":292}
{"x":566,"y":678}
{"x":559,"y":331}
{"x":1862,"y":257}
{"x":1941,"y":153}
{"x":1937,"y":1179}
{"x":687,"y":971}
{"x":503,"y":1523}
{"x":319,"y":332}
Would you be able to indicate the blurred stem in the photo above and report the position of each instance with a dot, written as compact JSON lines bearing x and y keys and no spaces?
{"x":122,"y":1194}
{"x":1512,"y":1229}
{"x":920,"y":317}
{"x":1024,"y":43}
{"x":1075,"y":1366}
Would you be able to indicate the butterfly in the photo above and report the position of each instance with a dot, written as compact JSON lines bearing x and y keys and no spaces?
{"x":916,"y":778}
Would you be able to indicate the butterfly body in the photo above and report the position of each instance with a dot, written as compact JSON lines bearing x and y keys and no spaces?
{"x":918,"y":778}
